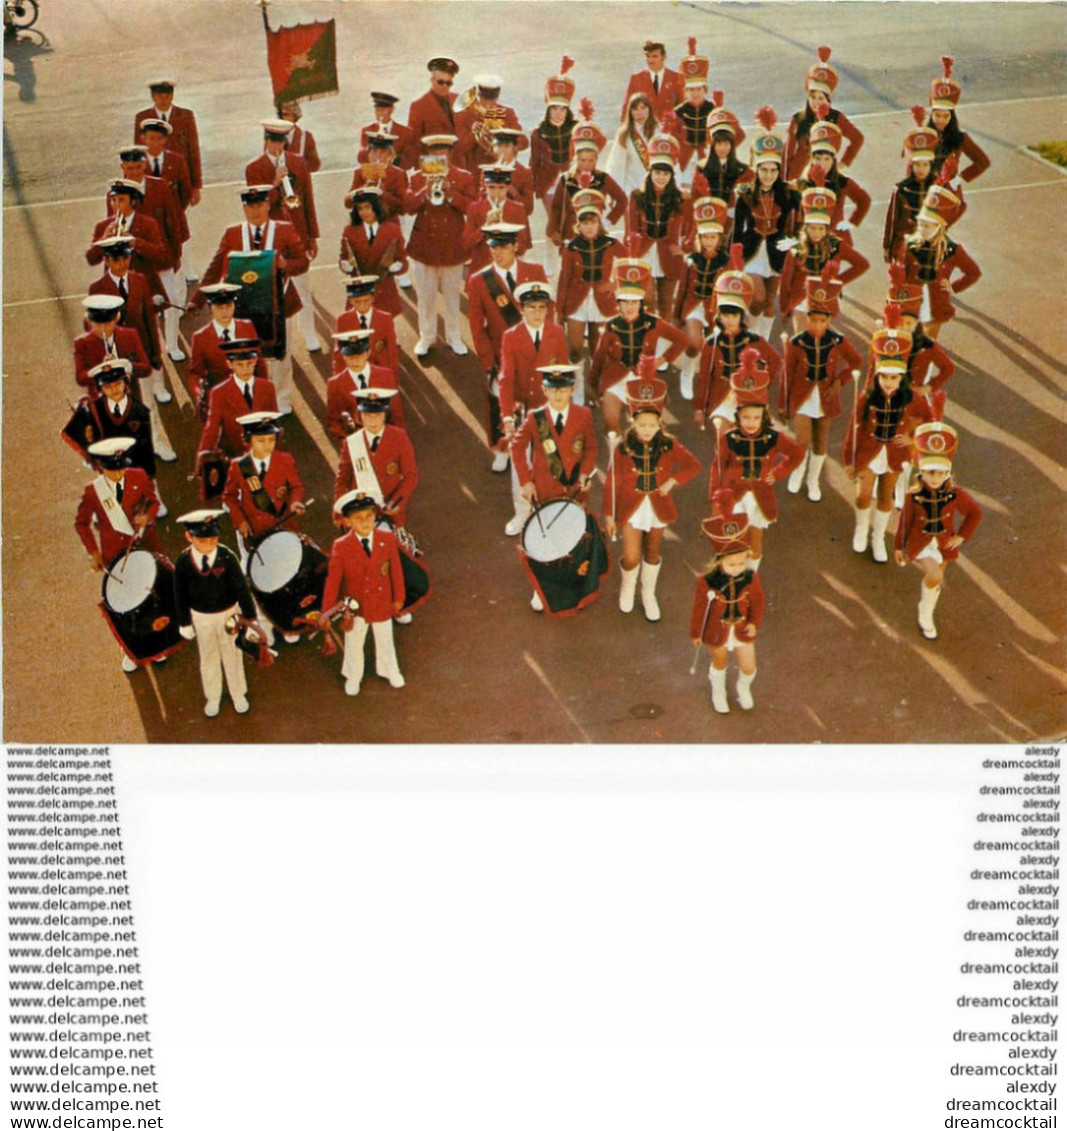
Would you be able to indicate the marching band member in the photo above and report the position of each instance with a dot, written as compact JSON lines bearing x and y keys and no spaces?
{"x":493,"y":208}
{"x":925,"y":353}
{"x":818,"y":362}
{"x":765,"y":213}
{"x":945,"y":94}
{"x":627,"y":163}
{"x":477,"y":121}
{"x":209,"y":588}
{"x":405,"y":152}
{"x":149,"y":254}
{"x":105,"y":338}
{"x":691,"y":114}
{"x":550,"y":141}
{"x":374,"y":246}
{"x":825,"y":141}
{"x":819,"y":86}
{"x":301,"y":142}
{"x":879,"y":441}
{"x":662,"y":87}
{"x":728,"y":608}
{"x":525,"y":349}
{"x":908,"y":195}
{"x":242,"y":393}
{"x":728,"y":338}
{"x":815,"y":251}
{"x":263,"y":490}
{"x":183,"y":138}
{"x":631,"y":334}
{"x":751,"y":458}
{"x":358,"y":374}
{"x":506,"y":144}
{"x":930,"y":532}
{"x":167,"y":164}
{"x":493,"y":309}
{"x":258,"y":232}
{"x":292,"y":200}
{"x":644,"y":469}
{"x":433,"y":113}
{"x":378,"y":459}
{"x":117,"y":510}
{"x":695,"y":303}
{"x":362,"y":312}
{"x":931,"y":258}
{"x":207,"y":363}
{"x":365,"y":565}
{"x":439,"y":196}
{"x":377,"y":171}
{"x":723,"y":171}
{"x":587,"y":142}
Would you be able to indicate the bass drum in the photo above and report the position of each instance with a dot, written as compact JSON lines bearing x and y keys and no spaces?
{"x":564,"y":555}
{"x":287,"y":573}
{"x":417,"y":586}
{"x":139,"y":607}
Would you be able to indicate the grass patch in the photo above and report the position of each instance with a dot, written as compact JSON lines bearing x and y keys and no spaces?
{"x":1054,"y":151}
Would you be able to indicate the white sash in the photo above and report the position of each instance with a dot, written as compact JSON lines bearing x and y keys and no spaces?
{"x":113,"y":511}
{"x":366,"y":477}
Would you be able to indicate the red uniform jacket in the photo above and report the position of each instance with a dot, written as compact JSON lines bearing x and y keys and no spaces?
{"x":976,"y":156}
{"x":719,"y":357}
{"x":696,"y":290}
{"x":798,"y":149}
{"x":138,"y":314}
{"x":791,"y":289}
{"x":561,"y":218}
{"x":576,"y":446}
{"x":924,"y":353}
{"x":150,"y":255}
{"x":671,"y":91}
{"x":90,"y":351}
{"x":622,"y":344}
{"x":183,"y":138}
{"x":383,"y":347}
{"x":291,"y":258}
{"x":578,"y":259}
{"x":544,"y":169}
{"x":160,"y":203}
{"x":175,"y":171}
{"x":826,"y":362}
{"x":469,"y":153}
{"x":437,"y":237}
{"x":282,"y":483}
{"x":522,"y":186}
{"x":724,"y":187}
{"x":474,"y":244}
{"x":386,"y":249}
{"x":138,"y":494}
{"x":207,"y":363}
{"x":394,"y":186}
{"x":304,"y":218}
{"x":520,"y":383}
{"x":341,"y":394}
{"x":893,"y":420}
{"x":407,"y":153}
{"x":225,"y":404}
{"x":741,"y":462}
{"x":669,"y":248}
{"x":301,"y":143}
{"x":929,"y":515}
{"x":485,"y":313}
{"x":430,"y":115}
{"x":376,"y":582}
{"x":394,"y":466}
{"x":638,"y":470}
{"x":919,"y":269}
{"x":721,"y":601}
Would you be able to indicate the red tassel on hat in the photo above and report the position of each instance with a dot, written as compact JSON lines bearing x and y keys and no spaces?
{"x":668,"y":122}
{"x":767,"y":118}
{"x":937,"y":403}
{"x":737,"y":257}
{"x":646,"y":366}
{"x":822,"y":111}
{"x":918,"y":115}
{"x":817,"y":174}
{"x":692,"y":45}
{"x":897,"y":274}
{"x":586,"y":107}
{"x":823,"y":53}
{"x":828,"y":273}
{"x":946,"y":63}
{"x":748,"y":365}
{"x":949,"y":169}
{"x":716,"y":99}
{"x":722,"y":502}
{"x":892,"y":316}
{"x":585,"y":180}
{"x":566,"y":65}
{"x":633,"y":244}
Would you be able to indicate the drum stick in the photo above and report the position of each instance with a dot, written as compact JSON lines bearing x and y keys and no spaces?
{"x":556,"y":517}
{"x":537,"y":515}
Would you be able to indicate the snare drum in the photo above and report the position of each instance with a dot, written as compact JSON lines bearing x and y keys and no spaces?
{"x":287,"y":573}
{"x":417,"y":586}
{"x":565,"y":556}
{"x":139,"y":607}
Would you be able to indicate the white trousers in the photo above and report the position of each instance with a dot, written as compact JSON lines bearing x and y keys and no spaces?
{"x":385,"y":662}
{"x":175,"y":289}
{"x":281,"y":372}
{"x":428,"y":281}
{"x":306,"y":316}
{"x":219,"y":655}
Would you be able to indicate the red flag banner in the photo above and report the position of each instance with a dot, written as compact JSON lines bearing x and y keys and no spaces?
{"x":302,"y":61}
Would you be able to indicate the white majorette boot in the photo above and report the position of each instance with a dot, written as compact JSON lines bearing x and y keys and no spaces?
{"x":649,"y":575}
{"x":863,"y":528}
{"x":744,"y":691}
{"x":879,"y":522}
{"x":718,"y":690}
{"x":814,"y":471}
{"x":927,"y":604}
{"x":628,"y":588}
{"x":797,"y":476}
{"x":688,"y":370}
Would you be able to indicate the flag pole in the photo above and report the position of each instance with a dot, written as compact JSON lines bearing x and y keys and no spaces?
{"x":263,"y":8}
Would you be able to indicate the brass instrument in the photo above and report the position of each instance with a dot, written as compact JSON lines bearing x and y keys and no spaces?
{"x":434,"y":167}
{"x":373,"y":172}
{"x":491,"y":118}
{"x":288,"y":189}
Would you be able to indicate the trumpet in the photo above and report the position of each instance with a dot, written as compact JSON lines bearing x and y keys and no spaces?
{"x":435,"y":169}
{"x":288,"y":189}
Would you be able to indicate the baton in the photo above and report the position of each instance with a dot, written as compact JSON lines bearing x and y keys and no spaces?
{"x":703,"y":627}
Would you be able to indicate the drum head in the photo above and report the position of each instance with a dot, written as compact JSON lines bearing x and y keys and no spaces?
{"x":275,"y":561}
{"x":130,"y":581}
{"x":553,"y":530}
